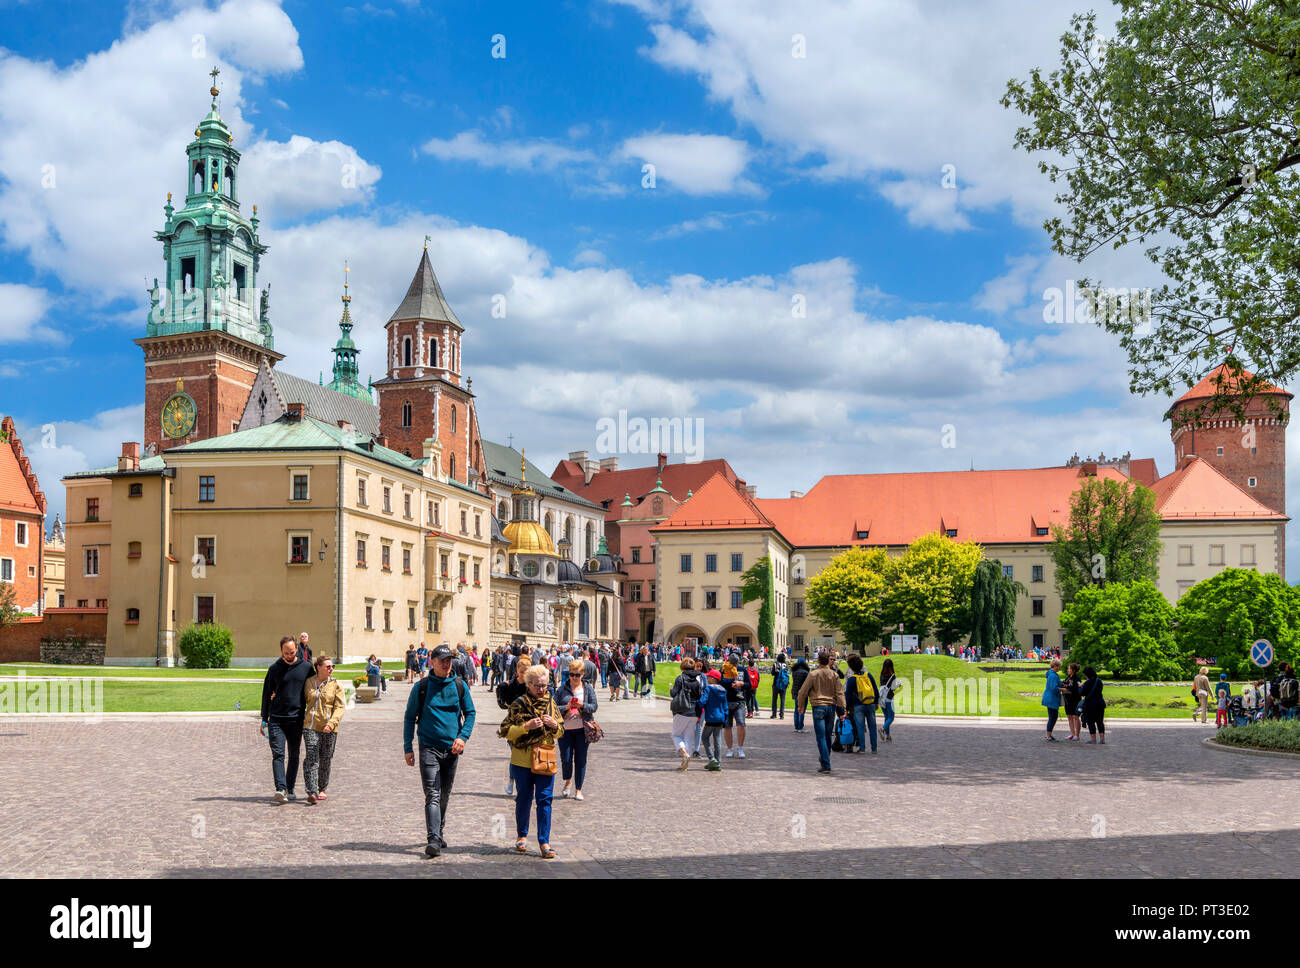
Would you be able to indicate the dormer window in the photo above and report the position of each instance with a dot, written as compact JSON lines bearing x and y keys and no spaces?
{"x":864,"y":535}
{"x":951,"y":532}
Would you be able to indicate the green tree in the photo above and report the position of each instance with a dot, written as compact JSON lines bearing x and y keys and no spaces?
{"x":1220,"y":617}
{"x":849,"y":595}
{"x":206,"y":645}
{"x":9,"y":610}
{"x":930,"y":587}
{"x":1113,"y":535}
{"x":1126,"y":628}
{"x":1179,"y":133}
{"x":756,"y":584}
{"x":993,"y":607}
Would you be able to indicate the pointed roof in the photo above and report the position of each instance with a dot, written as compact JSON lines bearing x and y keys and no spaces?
{"x":19,"y":489}
{"x":638,"y":482}
{"x":1197,"y":491}
{"x":424,"y":298}
{"x":718,"y":505}
{"x":1223,"y":380}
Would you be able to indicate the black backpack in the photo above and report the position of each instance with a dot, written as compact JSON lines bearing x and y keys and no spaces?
{"x":687,"y":698}
{"x":1289,"y":691}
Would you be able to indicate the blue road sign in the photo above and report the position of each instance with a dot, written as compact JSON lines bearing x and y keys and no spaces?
{"x":1261,"y":653}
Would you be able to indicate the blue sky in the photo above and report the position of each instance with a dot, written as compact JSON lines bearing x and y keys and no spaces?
{"x":778,"y":178}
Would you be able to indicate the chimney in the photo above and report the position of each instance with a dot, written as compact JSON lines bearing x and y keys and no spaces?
{"x":295,"y":411}
{"x":752,"y":490}
{"x":381,"y":440}
{"x":663,"y":462}
{"x":740,"y":486}
{"x":130,"y":459}
{"x":796,"y":493}
{"x":1088,"y":469}
{"x":578,"y":456}
{"x":345,"y":426}
{"x":609,"y":463}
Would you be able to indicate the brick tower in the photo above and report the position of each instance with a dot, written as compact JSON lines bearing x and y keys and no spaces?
{"x":422,"y":396}
{"x":207,"y":331}
{"x":1251,"y":452}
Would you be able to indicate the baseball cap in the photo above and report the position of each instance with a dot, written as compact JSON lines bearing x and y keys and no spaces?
{"x":441,"y":652}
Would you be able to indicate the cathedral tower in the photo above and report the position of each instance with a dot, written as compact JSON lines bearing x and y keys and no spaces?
{"x":422,"y":396}
{"x":207,"y":330}
{"x":346,"y":372}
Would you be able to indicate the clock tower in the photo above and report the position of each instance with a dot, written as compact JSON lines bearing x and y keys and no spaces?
{"x":209,"y":327}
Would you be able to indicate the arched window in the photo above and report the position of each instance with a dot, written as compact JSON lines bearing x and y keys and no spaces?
{"x":433,"y":352}
{"x":604,"y":619}
{"x":550,"y":525}
{"x":568,"y":530}
{"x":406,"y":351}
{"x":406,"y":415}
{"x":453,"y":419}
{"x":584,"y":620}
{"x":502,"y":512}
{"x":451,"y":467}
{"x":196,"y":180}
{"x":230,"y":182}
{"x":589,"y":548}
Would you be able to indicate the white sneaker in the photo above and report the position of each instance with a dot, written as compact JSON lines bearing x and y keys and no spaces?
{"x":729,"y":753}
{"x":510,"y":788}
{"x":741,"y":752}
{"x":280,"y":797}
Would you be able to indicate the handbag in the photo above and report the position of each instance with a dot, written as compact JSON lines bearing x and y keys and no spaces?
{"x":592,"y":731}
{"x":543,"y":760}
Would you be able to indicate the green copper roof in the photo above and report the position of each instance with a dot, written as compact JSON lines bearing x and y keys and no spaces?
{"x":147,"y":465}
{"x":345,"y":356}
{"x":305,"y":434}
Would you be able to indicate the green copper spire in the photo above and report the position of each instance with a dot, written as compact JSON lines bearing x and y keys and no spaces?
{"x":627,"y":500}
{"x":345,"y":353}
{"x":603,"y":549}
{"x":659,"y":486}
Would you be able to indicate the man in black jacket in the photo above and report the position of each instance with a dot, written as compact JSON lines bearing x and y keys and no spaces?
{"x":282,"y":691}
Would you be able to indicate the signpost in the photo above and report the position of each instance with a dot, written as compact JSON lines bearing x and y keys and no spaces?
{"x":1261,"y":653}
{"x":903,"y":643}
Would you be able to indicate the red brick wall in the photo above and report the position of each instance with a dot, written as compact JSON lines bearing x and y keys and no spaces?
{"x":1237,"y":463}
{"x":22,"y":642}
{"x":27,"y":589}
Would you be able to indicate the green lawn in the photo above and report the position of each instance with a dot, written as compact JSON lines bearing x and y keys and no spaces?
{"x":1126,"y":701}
{"x":128,"y":672}
{"x":136,"y":697}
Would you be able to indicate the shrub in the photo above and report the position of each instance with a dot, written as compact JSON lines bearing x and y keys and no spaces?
{"x":1271,"y":734}
{"x":207,"y":646}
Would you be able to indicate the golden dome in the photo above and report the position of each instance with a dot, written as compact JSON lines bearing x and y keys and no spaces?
{"x":529,"y":538}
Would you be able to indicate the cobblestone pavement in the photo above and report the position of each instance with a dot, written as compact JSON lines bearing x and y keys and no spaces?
{"x":190,"y":797}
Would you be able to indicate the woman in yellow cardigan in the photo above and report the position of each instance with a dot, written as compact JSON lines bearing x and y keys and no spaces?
{"x":323,"y":704}
{"x":532,"y":721}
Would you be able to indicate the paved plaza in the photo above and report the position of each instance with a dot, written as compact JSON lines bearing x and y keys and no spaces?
{"x":182,"y":796}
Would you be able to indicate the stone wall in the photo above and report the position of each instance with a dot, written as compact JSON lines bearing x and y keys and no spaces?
{"x":22,"y":642}
{"x":73,"y":650}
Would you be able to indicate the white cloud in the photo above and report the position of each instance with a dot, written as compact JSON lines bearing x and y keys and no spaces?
{"x":537,"y":155}
{"x":698,"y":164}
{"x":302,"y":176}
{"x":22,"y":308}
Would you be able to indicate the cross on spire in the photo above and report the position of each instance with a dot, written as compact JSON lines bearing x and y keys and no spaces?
{"x":510,"y":441}
{"x":427,"y":240}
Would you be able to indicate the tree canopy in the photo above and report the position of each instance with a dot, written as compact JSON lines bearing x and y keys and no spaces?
{"x":1113,"y":535}
{"x":930,"y":588}
{"x":849,"y":594}
{"x":1220,"y":617}
{"x":1180,"y":133}
{"x":993,"y":607}
{"x":1126,"y":628}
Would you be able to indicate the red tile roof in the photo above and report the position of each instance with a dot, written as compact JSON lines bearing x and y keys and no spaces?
{"x":19,"y":489}
{"x":1196,"y":491}
{"x":638,"y":481}
{"x":1223,"y":379}
{"x":990,"y":507}
{"x":717,"y":506}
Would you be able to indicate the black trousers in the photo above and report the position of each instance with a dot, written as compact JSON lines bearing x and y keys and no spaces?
{"x":286,"y":738}
{"x":437,"y":773}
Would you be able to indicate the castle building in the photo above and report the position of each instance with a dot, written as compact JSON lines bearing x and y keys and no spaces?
{"x":55,"y":566}
{"x":22,"y":523}
{"x":208,"y":331}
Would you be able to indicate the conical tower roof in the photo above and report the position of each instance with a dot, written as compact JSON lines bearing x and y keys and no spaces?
{"x":424,"y":298}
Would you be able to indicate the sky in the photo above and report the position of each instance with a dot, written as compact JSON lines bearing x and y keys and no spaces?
{"x":802,"y":227}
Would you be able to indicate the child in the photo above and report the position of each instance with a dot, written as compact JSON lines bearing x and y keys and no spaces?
{"x":714,"y":702}
{"x":1222,"y":692}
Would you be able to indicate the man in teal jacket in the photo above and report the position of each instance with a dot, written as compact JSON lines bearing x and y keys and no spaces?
{"x":442,"y":707}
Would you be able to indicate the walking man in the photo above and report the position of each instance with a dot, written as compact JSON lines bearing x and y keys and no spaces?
{"x":442,"y":707}
{"x":282,"y":713}
{"x":822,"y":687}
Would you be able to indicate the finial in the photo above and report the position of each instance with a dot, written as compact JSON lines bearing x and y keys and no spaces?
{"x":523,"y":470}
{"x":169,"y":198}
{"x":213,"y":90}
{"x":427,"y":240}
{"x":346,"y":270}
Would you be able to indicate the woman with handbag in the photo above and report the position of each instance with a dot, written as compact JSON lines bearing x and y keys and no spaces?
{"x":576,"y":700}
{"x":531,"y":727}
{"x":507,"y":693}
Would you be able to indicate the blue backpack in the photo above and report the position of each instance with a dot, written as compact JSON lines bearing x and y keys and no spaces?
{"x":847,"y":736}
{"x":782,"y":678}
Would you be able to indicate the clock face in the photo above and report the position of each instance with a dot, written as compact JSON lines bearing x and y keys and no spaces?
{"x":178,"y":414}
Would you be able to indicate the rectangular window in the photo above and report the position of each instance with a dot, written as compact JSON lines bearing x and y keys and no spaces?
{"x":92,"y":509}
{"x":1185,"y":554}
{"x":1248,"y":554}
{"x":634,"y":591}
{"x":388,"y":500}
{"x":406,"y":560}
{"x":476,"y":567}
{"x":464,"y":523}
{"x":406,"y":505}
{"x":1036,"y":573}
{"x":686,"y":562}
{"x":83,"y":602}
{"x":469,"y":621}
{"x":1037,"y":604}
{"x":361,"y":552}
{"x":300,"y":487}
{"x":384,"y":552}
{"x":478,"y":526}
{"x":133,"y":616}
{"x":951,"y":532}
{"x":710,"y":562}
{"x":1183,"y":586}
{"x":798,"y":641}
{"x":1216,"y":554}
{"x":92,"y":563}
{"x":135,"y":490}
{"x":410,"y":618}
{"x":1038,"y":640}
{"x":433,"y":513}
{"x":299,"y":550}
{"x":204,"y":609}
{"x":431,"y":622}
{"x":864,"y":535}
{"x":1008,"y":571}
{"x":462,"y":571}
{"x":737,"y":562}
{"x":207,"y":549}
{"x":20,"y":533}
{"x":798,"y":608}
{"x":7,"y":570}
{"x":241,"y":282}
{"x":735,"y":600}
{"x":207,"y":489}
{"x":370,"y":617}
{"x":710,"y":599}
{"x":443,"y":566}
{"x":361,"y":492}
{"x":187,"y":274}
{"x":652,"y":591}
{"x":636,"y":556}
{"x":686,"y":599}
{"x":388,"y":619}
{"x":1041,"y":532}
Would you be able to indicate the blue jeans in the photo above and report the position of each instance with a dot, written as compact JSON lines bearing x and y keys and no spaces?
{"x":864,"y":713}
{"x":823,"y":726}
{"x":530,"y":786}
{"x":889,"y":717}
{"x":798,"y":717}
{"x":1290,"y":712}
{"x":699,"y":728}
{"x":573,"y":756}
{"x":286,"y":737}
